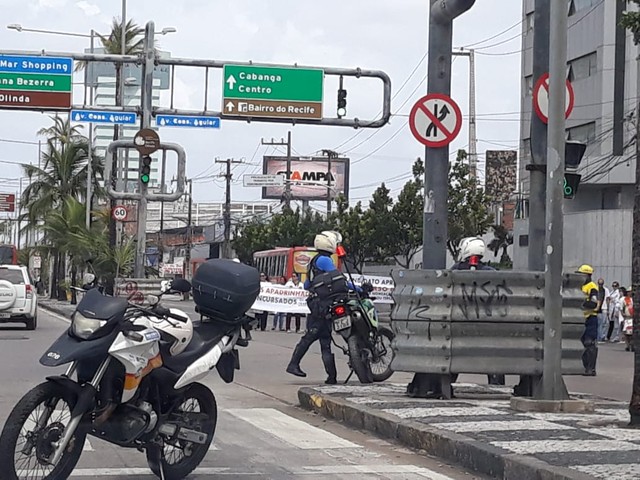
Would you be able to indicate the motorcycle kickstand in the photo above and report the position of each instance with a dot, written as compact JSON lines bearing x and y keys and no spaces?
{"x":350,"y":374}
{"x":160,"y":467}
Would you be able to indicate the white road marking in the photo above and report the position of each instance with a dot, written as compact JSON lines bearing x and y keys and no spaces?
{"x":87,"y":447}
{"x":57,"y":316}
{"x":291,"y":430}
{"x":321,"y":470}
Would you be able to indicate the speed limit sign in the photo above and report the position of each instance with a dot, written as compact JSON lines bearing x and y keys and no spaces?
{"x":119,"y":213}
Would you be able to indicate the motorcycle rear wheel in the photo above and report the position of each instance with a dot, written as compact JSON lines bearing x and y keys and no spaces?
{"x":381,"y":374}
{"x":359,"y":359}
{"x":16,"y":438}
{"x":173,"y":466}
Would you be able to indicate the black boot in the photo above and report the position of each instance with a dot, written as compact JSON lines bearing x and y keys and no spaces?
{"x":329,"y":361}
{"x":294,"y":365}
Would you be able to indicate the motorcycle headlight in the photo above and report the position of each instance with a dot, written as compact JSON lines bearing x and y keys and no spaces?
{"x":83,"y":327}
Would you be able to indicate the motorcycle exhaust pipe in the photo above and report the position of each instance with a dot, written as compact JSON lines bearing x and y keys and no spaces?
{"x":169,"y":430}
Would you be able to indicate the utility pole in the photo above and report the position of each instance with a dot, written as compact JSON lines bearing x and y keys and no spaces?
{"x":473,"y":137}
{"x":187,"y":256}
{"x":287,"y":183}
{"x":226,"y":249}
{"x":538,"y":141}
{"x":90,"y":149}
{"x":147,"y":105}
{"x":330,"y":156}
{"x":553,"y":387}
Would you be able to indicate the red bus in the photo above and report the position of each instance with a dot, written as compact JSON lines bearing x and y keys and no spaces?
{"x":8,"y":255}
{"x":281,"y":262}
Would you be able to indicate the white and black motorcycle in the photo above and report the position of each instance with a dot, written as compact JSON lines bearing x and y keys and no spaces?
{"x":136,"y":372}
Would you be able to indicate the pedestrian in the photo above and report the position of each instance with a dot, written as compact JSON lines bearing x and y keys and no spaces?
{"x":278,"y":317}
{"x":294,"y":282}
{"x":590,"y":311}
{"x":626,"y":303}
{"x":263,"y":316}
{"x":318,"y":328}
{"x":614,"y":312}
{"x":603,"y":308}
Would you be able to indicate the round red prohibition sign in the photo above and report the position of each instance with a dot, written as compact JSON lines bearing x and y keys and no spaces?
{"x":541,"y":98}
{"x":435,"y":120}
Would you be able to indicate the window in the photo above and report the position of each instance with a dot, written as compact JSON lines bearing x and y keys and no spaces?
{"x":583,"y":67}
{"x":577,"y":5}
{"x":529,"y":22}
{"x":582,"y":133}
{"x":528,"y":85}
{"x":13,"y":276}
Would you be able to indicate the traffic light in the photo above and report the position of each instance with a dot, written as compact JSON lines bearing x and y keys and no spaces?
{"x":342,"y":102}
{"x":145,"y":169}
{"x":573,"y":153}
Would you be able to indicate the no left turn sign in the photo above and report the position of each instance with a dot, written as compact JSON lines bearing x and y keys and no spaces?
{"x":435,"y":120}
{"x":541,"y":98}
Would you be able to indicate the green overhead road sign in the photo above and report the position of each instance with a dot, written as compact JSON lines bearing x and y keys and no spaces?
{"x":277,"y":92}
{"x":35,"y":82}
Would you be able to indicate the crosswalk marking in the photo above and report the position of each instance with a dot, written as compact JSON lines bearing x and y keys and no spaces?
{"x":87,"y":447}
{"x":291,"y":430}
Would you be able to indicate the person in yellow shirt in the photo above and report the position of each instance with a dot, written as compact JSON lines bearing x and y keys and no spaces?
{"x":590,"y":311}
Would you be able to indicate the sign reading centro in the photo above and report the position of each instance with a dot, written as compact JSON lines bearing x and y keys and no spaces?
{"x":276,"y":92}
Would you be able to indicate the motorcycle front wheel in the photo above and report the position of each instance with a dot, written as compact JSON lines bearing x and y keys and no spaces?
{"x":197,"y":411}
{"x":381,"y":361}
{"x":34,"y":425}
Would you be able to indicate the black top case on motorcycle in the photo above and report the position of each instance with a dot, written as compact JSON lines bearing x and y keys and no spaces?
{"x":224,"y":289}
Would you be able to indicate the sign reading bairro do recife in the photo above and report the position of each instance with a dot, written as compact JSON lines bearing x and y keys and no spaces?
{"x":35,"y":83}
{"x":275,"y":92}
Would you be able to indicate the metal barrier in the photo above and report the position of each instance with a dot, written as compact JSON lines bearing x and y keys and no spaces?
{"x":480,"y":322}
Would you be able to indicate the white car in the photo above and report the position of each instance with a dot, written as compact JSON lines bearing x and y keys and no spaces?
{"x":18,"y":301}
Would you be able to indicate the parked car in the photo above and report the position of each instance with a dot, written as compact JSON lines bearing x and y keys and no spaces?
{"x":18,"y":299}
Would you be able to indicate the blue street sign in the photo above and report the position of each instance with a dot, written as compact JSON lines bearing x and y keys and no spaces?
{"x":36,"y":64}
{"x":185,"y":121}
{"x":97,"y":116}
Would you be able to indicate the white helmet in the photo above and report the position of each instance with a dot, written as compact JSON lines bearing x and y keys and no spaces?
{"x":327,"y":241}
{"x":237,"y":260}
{"x":471,"y":246}
{"x":179,"y":333}
{"x":88,"y":278}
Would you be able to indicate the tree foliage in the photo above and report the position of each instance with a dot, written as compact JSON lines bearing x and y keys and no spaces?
{"x":468,"y":205}
{"x":408,"y":214}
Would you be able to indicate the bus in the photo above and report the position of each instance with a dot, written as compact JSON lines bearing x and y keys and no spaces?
{"x":280,"y":262}
{"x":8,"y":255}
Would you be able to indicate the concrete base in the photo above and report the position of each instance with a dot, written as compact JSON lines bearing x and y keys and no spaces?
{"x":520,"y":404}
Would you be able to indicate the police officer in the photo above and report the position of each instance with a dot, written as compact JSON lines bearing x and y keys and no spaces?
{"x":318,"y":327}
{"x":472,"y":249}
{"x":590,"y":311}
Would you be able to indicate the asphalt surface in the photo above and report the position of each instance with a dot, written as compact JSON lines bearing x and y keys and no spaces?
{"x":261,"y":431}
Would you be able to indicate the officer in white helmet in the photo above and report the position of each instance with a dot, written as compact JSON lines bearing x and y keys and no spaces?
{"x":472,"y":249}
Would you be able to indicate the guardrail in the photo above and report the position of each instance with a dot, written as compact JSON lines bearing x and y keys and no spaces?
{"x":490,"y":322}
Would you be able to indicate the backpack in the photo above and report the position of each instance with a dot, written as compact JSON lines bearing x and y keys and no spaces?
{"x":325,"y":284}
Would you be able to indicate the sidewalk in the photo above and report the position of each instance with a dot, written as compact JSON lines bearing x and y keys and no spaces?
{"x":478,"y":430}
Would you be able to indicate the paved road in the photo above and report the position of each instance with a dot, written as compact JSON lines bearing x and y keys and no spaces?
{"x":260,"y":431}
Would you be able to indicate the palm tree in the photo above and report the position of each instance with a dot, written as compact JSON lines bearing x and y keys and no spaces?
{"x":61,"y":132}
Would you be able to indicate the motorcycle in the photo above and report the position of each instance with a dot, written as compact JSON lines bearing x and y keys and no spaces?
{"x":137,"y":371}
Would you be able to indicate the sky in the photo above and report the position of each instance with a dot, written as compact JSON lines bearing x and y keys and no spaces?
{"x":371,"y":34}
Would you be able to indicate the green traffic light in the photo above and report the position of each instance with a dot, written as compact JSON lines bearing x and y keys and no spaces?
{"x":567,"y":188}
{"x":144,"y":178}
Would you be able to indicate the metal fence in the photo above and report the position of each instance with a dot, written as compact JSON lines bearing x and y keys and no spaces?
{"x":480,"y":322}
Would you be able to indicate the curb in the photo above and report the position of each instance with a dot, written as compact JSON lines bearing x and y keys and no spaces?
{"x":453,"y":447}
{"x":55,"y":309}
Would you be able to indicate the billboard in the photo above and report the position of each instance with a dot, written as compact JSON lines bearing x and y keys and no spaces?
{"x":308,"y":177}
{"x":500,"y":174}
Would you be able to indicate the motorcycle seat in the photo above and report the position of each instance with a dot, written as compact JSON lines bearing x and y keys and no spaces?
{"x":205,"y":337}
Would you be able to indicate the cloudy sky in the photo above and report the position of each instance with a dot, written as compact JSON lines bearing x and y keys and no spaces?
{"x":373,"y":34}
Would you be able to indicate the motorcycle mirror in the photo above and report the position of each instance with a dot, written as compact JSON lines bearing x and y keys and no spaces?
{"x":153,"y":300}
{"x":180,"y":285}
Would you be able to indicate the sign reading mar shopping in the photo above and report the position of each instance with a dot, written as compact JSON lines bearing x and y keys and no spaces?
{"x":35,"y":83}
{"x":310,"y":178}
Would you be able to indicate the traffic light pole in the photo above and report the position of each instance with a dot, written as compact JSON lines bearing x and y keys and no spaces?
{"x":147,"y":105}
{"x":553,"y":387}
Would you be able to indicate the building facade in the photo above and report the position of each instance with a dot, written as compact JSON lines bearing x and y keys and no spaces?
{"x":603,"y":71}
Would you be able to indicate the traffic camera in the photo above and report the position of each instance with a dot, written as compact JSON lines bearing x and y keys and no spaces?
{"x":573,"y":153}
{"x":145,"y":169}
